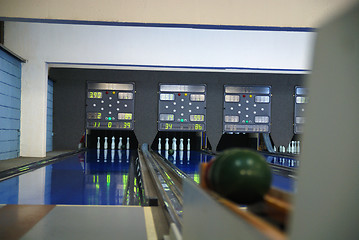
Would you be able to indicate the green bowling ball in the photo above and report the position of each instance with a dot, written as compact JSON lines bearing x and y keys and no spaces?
{"x":241,"y":175}
{"x":171,"y":152}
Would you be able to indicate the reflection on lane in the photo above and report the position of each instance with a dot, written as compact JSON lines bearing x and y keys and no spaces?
{"x":90,"y":178}
{"x":283,"y":181}
{"x":282,"y":161}
{"x":189,"y":163}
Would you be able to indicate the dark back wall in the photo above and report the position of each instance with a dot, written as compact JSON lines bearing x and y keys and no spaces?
{"x":70,"y":89}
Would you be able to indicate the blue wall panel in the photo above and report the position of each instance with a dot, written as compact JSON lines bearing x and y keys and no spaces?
{"x":9,"y":68}
{"x":50,"y":96}
{"x":10,"y":102}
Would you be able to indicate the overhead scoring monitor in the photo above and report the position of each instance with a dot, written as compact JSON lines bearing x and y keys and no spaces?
{"x":247,"y":109}
{"x":110,"y":106}
{"x":182,"y":108}
{"x":301,"y":99}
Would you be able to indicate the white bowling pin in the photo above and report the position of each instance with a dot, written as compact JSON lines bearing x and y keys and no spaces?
{"x":128,"y":143}
{"x":159,"y":144}
{"x":289,"y":149}
{"x":181,"y":144}
{"x":120,"y":144}
{"x":298,"y":147}
{"x":181,"y":155}
{"x":105,"y":155}
{"x":98,"y":154}
{"x":167,"y":146}
{"x":188,"y":144}
{"x":112,"y":155}
{"x":105,"y":146}
{"x":174,"y":144}
{"x":113,"y":143}
{"x":119,"y":155}
{"x":98,"y":143}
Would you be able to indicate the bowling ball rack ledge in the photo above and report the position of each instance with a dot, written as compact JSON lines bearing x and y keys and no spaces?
{"x":269,"y":216}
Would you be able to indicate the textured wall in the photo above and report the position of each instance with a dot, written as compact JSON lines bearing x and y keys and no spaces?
{"x":70,"y":87}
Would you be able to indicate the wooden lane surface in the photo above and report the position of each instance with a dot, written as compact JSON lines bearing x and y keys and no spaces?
{"x":17,"y":220}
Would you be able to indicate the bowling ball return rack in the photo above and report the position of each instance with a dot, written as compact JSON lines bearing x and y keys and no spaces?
{"x":168,"y":187}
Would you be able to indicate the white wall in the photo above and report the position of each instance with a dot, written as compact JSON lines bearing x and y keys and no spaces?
{"x":41,"y":43}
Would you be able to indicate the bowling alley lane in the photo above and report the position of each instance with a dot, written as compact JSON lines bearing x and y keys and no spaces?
{"x":283,"y":167}
{"x":75,"y":194}
{"x":94,"y":177}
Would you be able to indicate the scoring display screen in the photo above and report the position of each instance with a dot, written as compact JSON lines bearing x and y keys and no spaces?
{"x":110,"y":106}
{"x":246,"y":109}
{"x":300,"y":102}
{"x":182,"y":107}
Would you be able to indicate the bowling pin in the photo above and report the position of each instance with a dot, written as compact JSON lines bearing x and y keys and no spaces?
{"x":188,"y":144}
{"x":127,"y":155}
{"x":105,"y":146}
{"x":174,"y":144}
{"x":159,"y":144}
{"x":298,"y":147}
{"x":128,"y":143}
{"x":119,"y":155}
{"x":105,"y":155}
{"x":274,"y":149}
{"x":289,"y":149}
{"x":181,"y":144}
{"x":113,"y":143}
{"x":98,"y":154}
{"x":181,"y":155}
{"x":167,"y":146}
{"x":98,"y":143}
{"x":120,"y":144}
{"x":112,"y":155}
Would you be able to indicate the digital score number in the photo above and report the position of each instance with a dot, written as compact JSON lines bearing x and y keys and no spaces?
{"x":179,"y":126}
{"x":124,"y":116}
{"x":111,"y":125}
{"x":94,"y":94}
{"x":196,"y":118}
{"x":94,"y":115}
